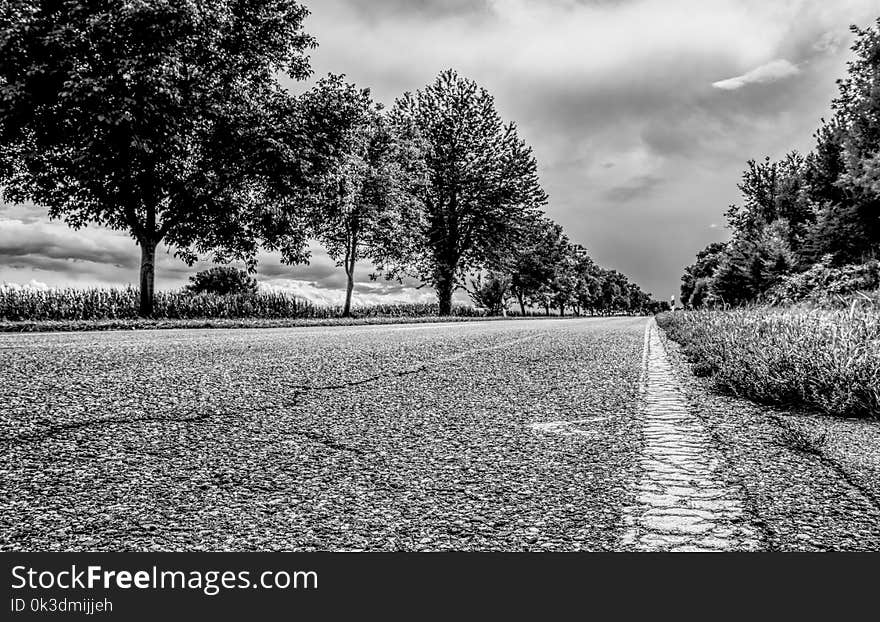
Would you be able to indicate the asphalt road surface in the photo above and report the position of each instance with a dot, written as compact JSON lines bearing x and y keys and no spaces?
{"x":513,"y":435}
{"x":507,"y":435}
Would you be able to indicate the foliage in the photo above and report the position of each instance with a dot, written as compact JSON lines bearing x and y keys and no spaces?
{"x":95,"y":304}
{"x":822,"y":209}
{"x":532,"y":263}
{"x":222,"y":280}
{"x":106,"y":304}
{"x":824,"y":282}
{"x":162,"y":119}
{"x":697,"y":276}
{"x":821,"y":359}
{"x":490,"y":291}
{"x":482,"y":182}
{"x":365,"y":205}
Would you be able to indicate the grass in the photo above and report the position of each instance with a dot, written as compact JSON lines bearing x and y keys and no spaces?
{"x":826,"y":360}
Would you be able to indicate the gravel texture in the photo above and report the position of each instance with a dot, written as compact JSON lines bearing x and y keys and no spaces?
{"x":505,"y":435}
{"x":810,"y":482}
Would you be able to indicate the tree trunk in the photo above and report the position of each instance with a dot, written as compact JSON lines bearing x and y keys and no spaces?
{"x":148,"y":277}
{"x":561,"y":310}
{"x":444,"y":289}
{"x":521,"y":301}
{"x":349,"y":288}
{"x":351,"y":249}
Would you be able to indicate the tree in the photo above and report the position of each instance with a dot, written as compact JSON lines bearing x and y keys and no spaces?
{"x":588,"y":284}
{"x":774,"y":191}
{"x":482,"y":182}
{"x":222,"y":281}
{"x":748,"y":268}
{"x":532,"y":262}
{"x":563,"y":287}
{"x":164,"y":119}
{"x":366,"y":206}
{"x":857,"y":108}
{"x":490,"y":291}
{"x":697,"y":275}
{"x":614,"y":293}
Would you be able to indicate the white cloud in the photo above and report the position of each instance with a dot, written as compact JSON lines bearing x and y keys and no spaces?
{"x":312,"y":292}
{"x":769,"y":72}
{"x":33,"y":284}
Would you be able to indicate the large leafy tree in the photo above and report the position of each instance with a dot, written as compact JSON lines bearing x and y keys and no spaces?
{"x":163,"y":119}
{"x":490,"y":291}
{"x":482,"y":182}
{"x":857,"y":110}
{"x":589,"y":283}
{"x":366,"y":205}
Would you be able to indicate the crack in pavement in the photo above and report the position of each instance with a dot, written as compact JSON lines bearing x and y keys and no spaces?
{"x":298,"y":392}
{"x":815,"y":449}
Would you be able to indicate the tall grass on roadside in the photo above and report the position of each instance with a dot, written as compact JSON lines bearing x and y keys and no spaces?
{"x":122,"y":304}
{"x":824,"y":359}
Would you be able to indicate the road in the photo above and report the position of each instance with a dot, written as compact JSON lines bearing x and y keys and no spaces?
{"x":436,"y":436}
{"x":556,"y":435}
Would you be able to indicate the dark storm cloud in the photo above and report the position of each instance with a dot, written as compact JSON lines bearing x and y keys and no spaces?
{"x":24,"y":250}
{"x":617,"y":98}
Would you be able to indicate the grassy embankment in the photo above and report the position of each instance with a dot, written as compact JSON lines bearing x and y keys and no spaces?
{"x":826,"y":360}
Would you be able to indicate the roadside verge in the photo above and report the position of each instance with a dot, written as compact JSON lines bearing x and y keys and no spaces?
{"x":811,"y":481}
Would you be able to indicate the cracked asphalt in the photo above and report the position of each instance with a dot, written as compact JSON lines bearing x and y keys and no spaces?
{"x":505,"y":435}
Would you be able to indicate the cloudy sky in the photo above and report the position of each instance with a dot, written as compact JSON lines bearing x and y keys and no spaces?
{"x":642,"y":114}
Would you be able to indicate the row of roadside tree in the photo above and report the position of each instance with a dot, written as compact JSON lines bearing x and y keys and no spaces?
{"x":169,"y":121}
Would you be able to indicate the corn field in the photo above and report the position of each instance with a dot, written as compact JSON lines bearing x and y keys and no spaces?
{"x":122,"y":304}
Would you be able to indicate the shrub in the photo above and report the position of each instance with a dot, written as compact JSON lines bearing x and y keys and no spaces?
{"x":826,"y":283}
{"x":222,"y":280}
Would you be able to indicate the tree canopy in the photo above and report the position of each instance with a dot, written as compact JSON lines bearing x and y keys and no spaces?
{"x":482,"y":181}
{"x":162,"y":119}
{"x":365,"y":206}
{"x":168,"y":121}
{"x":804,"y":211}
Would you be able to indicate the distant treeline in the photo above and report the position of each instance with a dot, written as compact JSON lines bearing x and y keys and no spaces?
{"x":808,"y":225}
{"x":168,"y":121}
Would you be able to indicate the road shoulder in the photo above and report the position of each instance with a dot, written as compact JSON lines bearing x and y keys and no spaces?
{"x":803,"y":492}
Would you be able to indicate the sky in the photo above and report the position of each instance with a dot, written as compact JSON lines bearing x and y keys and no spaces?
{"x":642,"y":115}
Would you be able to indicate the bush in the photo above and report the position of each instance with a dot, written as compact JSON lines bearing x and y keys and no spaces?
{"x":826,"y":283}
{"x":824,"y":359}
{"x":222,"y":280}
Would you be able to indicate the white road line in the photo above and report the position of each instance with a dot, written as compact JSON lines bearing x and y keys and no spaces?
{"x":682,"y":502}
